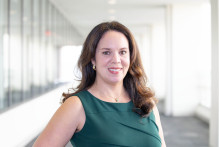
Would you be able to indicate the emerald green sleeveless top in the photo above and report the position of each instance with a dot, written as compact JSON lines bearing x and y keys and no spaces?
{"x":114,"y":125}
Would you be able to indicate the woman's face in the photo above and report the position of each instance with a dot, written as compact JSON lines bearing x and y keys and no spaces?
{"x":112,"y":57}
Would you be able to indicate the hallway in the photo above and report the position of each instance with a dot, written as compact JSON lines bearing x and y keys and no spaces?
{"x":41,"y":41}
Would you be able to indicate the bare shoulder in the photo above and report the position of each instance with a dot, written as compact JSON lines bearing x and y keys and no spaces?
{"x":72,"y":106}
{"x":72,"y":110}
{"x":72,"y":103}
{"x":64,"y":122}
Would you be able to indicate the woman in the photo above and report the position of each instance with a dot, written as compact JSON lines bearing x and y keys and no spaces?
{"x":112,"y":105}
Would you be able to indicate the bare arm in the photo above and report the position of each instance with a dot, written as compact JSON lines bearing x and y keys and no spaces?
{"x":157,"y":117}
{"x":62,"y":125}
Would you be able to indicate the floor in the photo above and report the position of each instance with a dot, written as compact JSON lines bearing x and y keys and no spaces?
{"x":185,"y":132}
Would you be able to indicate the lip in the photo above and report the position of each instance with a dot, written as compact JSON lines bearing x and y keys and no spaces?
{"x":114,"y":70}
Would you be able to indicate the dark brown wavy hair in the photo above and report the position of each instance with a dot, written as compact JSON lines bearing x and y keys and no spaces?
{"x":135,"y":81}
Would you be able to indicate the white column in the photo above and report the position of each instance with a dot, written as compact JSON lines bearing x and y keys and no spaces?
{"x":168,"y":100}
{"x":214,"y":123}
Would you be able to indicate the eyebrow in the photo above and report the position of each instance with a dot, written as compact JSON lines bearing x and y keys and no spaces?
{"x":124,"y":48}
{"x":109,"y":48}
{"x":104,"y":49}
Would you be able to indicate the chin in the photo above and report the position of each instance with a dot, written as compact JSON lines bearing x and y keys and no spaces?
{"x":115,"y":81}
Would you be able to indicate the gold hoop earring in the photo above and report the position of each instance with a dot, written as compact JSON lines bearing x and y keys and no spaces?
{"x":94,"y":67}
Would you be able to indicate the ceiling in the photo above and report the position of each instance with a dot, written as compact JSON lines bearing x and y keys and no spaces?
{"x":135,"y":14}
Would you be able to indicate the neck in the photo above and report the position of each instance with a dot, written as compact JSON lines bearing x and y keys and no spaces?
{"x":109,"y":91}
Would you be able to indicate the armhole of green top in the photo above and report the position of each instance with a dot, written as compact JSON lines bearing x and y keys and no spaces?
{"x":153,"y":119}
{"x":80,"y":96}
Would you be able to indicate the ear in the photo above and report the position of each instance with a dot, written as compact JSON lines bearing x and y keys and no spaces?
{"x":93,"y":61}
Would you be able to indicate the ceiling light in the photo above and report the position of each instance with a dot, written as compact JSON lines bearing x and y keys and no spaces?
{"x":112,"y":2}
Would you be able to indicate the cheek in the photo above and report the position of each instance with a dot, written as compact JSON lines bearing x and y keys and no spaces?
{"x":102,"y":61}
{"x":126,"y":62}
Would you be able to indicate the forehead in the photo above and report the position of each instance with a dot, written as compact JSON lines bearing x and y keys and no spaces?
{"x":113,"y":39}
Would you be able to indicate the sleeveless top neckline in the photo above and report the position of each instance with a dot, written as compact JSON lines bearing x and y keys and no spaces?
{"x":117,"y":103}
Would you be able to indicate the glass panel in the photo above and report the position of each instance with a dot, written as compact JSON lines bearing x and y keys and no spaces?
{"x":30,"y":34}
{"x":36,"y":50}
{"x":4,"y":42}
{"x":54,"y":50}
{"x":15,"y":73}
{"x":26,"y":60}
{"x":50,"y":48}
{"x":43,"y":34}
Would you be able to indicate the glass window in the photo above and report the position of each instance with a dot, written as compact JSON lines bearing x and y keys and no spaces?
{"x":36,"y":50}
{"x":30,"y":33}
{"x":43,"y":41}
{"x":54,"y":46}
{"x":15,"y":53}
{"x":4,"y":42}
{"x":50,"y":62}
{"x":26,"y":49}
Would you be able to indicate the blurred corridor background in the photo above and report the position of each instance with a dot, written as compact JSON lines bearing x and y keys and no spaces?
{"x":41,"y":40}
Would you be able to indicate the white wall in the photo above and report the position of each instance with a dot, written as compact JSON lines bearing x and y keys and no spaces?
{"x":21,"y":124}
{"x":144,"y":44}
{"x":69,"y":56}
{"x":184,"y":53}
{"x":151,"y":44}
{"x":190,"y":56}
{"x":158,"y":61}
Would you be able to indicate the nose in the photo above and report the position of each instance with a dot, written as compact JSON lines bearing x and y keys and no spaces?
{"x":116,"y":58}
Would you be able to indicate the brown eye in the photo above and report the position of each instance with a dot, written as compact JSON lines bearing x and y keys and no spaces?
{"x":123,"y":52}
{"x":106,"y":52}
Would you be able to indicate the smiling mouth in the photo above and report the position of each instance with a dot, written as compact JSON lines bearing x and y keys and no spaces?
{"x":117,"y":69}
{"x":114,"y":70}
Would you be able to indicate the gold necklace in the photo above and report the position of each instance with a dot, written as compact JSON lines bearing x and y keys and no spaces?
{"x":117,"y":98}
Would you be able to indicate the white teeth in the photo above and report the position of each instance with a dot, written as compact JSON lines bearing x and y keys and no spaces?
{"x":114,"y":69}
